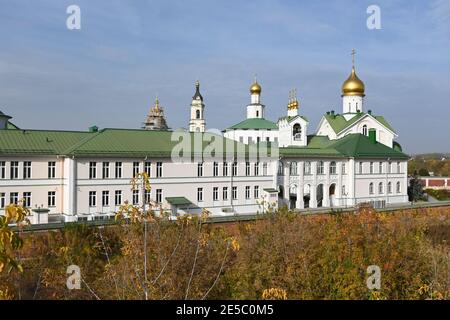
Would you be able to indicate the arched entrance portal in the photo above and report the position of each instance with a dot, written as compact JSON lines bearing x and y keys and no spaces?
{"x":306,"y":195}
{"x":332,"y":191}
{"x":292,"y":196}
{"x":319,"y":195}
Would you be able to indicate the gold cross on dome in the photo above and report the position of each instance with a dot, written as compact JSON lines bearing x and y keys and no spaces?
{"x":353,"y":56}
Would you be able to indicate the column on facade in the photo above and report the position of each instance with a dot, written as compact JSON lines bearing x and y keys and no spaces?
{"x":313,"y":189}
{"x":326,"y":185}
{"x":300,"y":185}
{"x":70,"y":187}
{"x":338,"y":189}
{"x":351,"y":182}
{"x":286,"y":171}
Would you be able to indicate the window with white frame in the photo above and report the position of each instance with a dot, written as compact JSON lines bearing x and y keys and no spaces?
{"x":215,"y":169}
{"x":344,"y":192}
{"x":293,"y":168}
{"x":280,"y":168}
{"x":247,"y":192}
{"x":307,"y":169}
{"x":343,"y":167}
{"x":118,"y":170}
{"x":118,"y":197}
{"x":2,"y":200}
{"x":135,"y":197}
{"x":92,"y":170}
{"x":380,"y":167}
{"x":371,"y":188}
{"x":135,"y":168}
{"x":371,"y":168}
{"x":333,"y":167}
{"x":51,"y":198}
{"x":159,"y":195}
{"x":225,"y":193}
{"x":225,"y":169}
{"x":364,"y":130}
{"x":14,"y":172}
{"x":256,"y":192}
{"x":234,"y":169}
{"x":247,"y":168}
{"x":27,"y":169}
{"x":92,"y":198}
{"x":264,"y":168}
{"x":148,"y":168}
{"x":199,"y":194}
{"x":51,"y":169}
{"x":147,"y":196}
{"x":389,"y":187}
{"x":320,"y":168}
{"x":159,"y":169}
{"x":380,"y":188}
{"x":234,"y":193}
{"x":398,"y":187}
{"x":14,"y":197}
{"x":399,"y":167}
{"x":105,"y":170}
{"x":389,"y":165}
{"x":105,"y":198}
{"x":200,"y":169}
{"x":215,"y":193}
{"x":2,"y":170}
{"x":360,"y":167}
{"x":27,"y":199}
{"x":256,"y":168}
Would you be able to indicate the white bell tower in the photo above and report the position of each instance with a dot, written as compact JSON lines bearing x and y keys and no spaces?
{"x":255,"y":109}
{"x":352,"y":93}
{"x":197,"y":122}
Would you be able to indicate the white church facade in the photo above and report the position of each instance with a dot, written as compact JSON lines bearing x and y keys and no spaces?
{"x":83,"y":175}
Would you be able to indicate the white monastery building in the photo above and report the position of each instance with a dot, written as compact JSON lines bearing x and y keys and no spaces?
{"x":85,"y":175}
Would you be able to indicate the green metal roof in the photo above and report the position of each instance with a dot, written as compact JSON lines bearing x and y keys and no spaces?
{"x":178,"y":201}
{"x":255,"y":123}
{"x":289,"y":118}
{"x":353,"y":145}
{"x":11,"y":126}
{"x":271,"y":190}
{"x":339,"y":123}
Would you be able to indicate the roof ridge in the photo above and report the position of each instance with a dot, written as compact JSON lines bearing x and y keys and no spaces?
{"x":80,"y":143}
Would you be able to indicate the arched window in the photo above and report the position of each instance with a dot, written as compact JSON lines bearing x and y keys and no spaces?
{"x":380,"y":188}
{"x":280,"y":168}
{"x":197,"y":114}
{"x":297,"y":132}
{"x":398,"y":187}
{"x":333,"y":167}
{"x":257,"y":113}
{"x":389,"y":187}
{"x":364,"y":130}
{"x":307,"y":169}
{"x":371,"y":188}
{"x":320,"y":167}
{"x":293,"y":169}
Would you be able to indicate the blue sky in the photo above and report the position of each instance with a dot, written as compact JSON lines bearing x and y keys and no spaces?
{"x":126,"y":52}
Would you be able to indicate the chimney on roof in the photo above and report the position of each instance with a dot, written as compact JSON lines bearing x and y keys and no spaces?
{"x":369,"y":111}
{"x":93,"y":129}
{"x":373,"y":135}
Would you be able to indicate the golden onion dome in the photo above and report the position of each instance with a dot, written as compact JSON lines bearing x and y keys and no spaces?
{"x":353,"y":86}
{"x":255,"y":88}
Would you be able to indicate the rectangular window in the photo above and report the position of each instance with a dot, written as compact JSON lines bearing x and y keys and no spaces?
{"x":105,"y":170}
{"x":234,"y":193}
{"x":92,"y":170}
{"x":148,"y":196}
{"x":2,"y":200}
{"x":399,"y":167}
{"x":159,"y":195}
{"x":118,"y":170}
{"x":51,"y":169}
{"x":51,"y":198}
{"x":247,"y":192}
{"x":320,"y":168}
{"x":118,"y":197}
{"x":225,"y":169}
{"x":215,"y":169}
{"x":256,"y":192}
{"x":225,"y":193}
{"x":92,"y":198}
{"x":247,"y":168}
{"x":360,"y":167}
{"x":159,"y":169}
{"x":265,"y":169}
{"x":389,"y":165}
{"x":27,"y":199}
{"x":200,"y":169}
{"x":135,"y":197}
{"x":256,"y":168}
{"x":215,"y":193}
{"x":13,"y":197}
{"x":307,"y":168}
{"x":371,"y":168}
{"x":148,"y":168}
{"x":14,"y":170}
{"x":380,"y":167}
{"x":2,"y":170}
{"x":135,"y":169}
{"x":241,"y":139}
{"x":234,"y":169}
{"x":343,"y":168}
{"x":105,"y":198}
{"x":199,"y":194}
{"x":27,"y":169}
